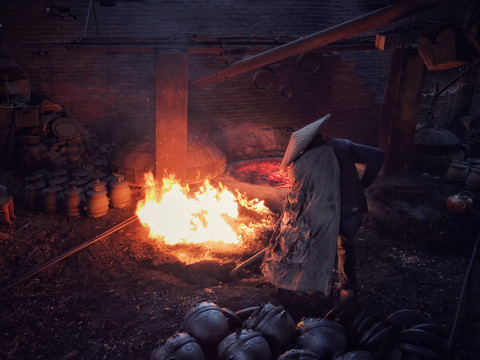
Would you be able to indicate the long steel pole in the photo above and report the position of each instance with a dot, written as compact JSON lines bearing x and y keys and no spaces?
{"x":349,"y":28}
{"x":68,"y":253}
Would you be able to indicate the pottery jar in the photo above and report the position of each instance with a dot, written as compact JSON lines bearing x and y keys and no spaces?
{"x":45,"y":174}
{"x":209,"y":324}
{"x":276,"y":324}
{"x":81,"y":173}
{"x":298,"y":354}
{"x":472,"y":162}
{"x":34,"y":195}
{"x":97,"y":202}
{"x":326,"y":338}
{"x":119,"y":192}
{"x":52,"y":198}
{"x":456,"y":204}
{"x":97,"y":174}
{"x":473,"y":179}
{"x":74,"y":201}
{"x":97,"y":183}
{"x":244,"y":345}
{"x":33,"y":178}
{"x":59,"y":173}
{"x":79,"y":182}
{"x":457,"y":172}
{"x":60,"y":181}
{"x":181,"y":346}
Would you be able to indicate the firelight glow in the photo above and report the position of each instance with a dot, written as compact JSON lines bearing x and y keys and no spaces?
{"x":175,"y":215}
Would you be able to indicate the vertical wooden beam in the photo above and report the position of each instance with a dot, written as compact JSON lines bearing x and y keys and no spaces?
{"x":399,"y":111}
{"x":171,"y":102}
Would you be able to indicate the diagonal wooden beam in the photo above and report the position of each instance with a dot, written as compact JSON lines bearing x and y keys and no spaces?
{"x":355,"y":26}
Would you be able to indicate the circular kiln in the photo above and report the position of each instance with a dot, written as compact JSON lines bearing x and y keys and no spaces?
{"x":259,"y":178}
{"x":204,"y":159}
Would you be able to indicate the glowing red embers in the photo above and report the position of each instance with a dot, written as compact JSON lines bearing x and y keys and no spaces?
{"x":261,"y":172}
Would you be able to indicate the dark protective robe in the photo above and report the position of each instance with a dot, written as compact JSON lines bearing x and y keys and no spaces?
{"x":301,"y":252}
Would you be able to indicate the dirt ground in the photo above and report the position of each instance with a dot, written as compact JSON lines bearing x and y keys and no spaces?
{"x":124,"y":294}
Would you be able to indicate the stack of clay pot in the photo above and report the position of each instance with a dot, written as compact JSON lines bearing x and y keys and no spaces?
{"x":85,"y":190}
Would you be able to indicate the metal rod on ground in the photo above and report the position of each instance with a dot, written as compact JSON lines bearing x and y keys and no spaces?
{"x":68,"y":253}
{"x":462,"y":294}
{"x":247,"y":262}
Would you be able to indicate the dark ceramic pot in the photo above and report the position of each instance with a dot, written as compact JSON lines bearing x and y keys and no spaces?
{"x":244,"y":345}
{"x":276,"y":324}
{"x":209,"y":324}
{"x":325,"y":338}
{"x":179,"y":347}
{"x":298,"y":354}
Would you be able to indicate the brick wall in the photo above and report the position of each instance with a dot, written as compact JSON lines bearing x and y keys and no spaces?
{"x":114,"y":92}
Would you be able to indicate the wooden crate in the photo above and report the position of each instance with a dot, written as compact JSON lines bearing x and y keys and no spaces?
{"x":26,"y":117}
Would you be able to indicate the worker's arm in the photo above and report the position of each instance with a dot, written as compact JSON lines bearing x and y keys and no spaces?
{"x":372,"y":158}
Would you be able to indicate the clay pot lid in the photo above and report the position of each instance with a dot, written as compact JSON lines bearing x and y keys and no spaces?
{"x":57,"y":181}
{"x":97,"y":190}
{"x":66,"y":128}
{"x":74,"y":190}
{"x":34,"y":177}
{"x":59,"y":173}
{"x":79,"y":181}
{"x":53,"y":188}
{"x":97,"y":182}
{"x":98,"y":175}
{"x":118,"y":181}
{"x":36,"y":185}
{"x":81,"y":174}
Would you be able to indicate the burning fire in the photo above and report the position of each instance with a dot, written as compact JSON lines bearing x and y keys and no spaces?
{"x":176,"y":215}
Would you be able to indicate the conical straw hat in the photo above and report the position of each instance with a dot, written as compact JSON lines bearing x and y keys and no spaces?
{"x":300,"y":139}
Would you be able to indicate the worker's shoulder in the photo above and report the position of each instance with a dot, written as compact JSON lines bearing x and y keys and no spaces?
{"x":340,"y":143}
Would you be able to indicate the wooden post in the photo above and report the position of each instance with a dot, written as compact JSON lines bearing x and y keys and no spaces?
{"x":399,"y":111}
{"x":171,"y":102}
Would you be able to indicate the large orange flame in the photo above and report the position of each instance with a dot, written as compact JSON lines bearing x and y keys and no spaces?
{"x":175,"y":215}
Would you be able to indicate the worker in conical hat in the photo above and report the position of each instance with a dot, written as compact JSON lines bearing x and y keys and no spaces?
{"x":322,"y":214}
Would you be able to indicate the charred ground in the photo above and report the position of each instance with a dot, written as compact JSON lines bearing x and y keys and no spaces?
{"x":119,"y":297}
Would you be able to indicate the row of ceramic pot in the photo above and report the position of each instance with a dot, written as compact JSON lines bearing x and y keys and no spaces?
{"x":77,"y":196}
{"x":269,"y":332}
{"x":465,"y":173}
